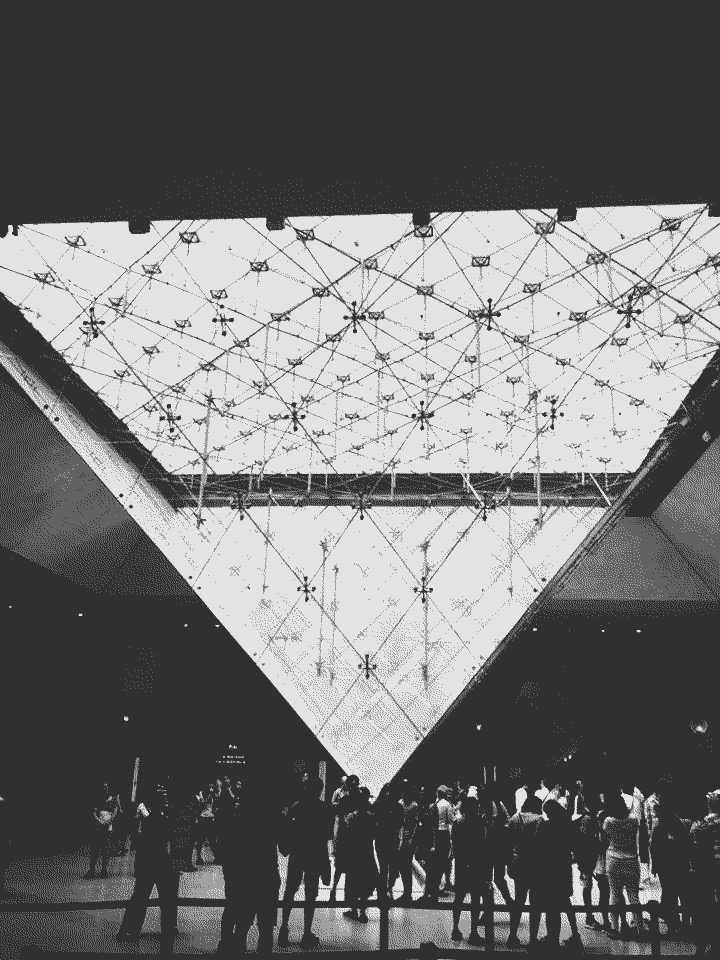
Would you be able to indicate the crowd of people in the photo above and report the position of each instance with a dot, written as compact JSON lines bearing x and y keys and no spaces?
{"x":462,"y":841}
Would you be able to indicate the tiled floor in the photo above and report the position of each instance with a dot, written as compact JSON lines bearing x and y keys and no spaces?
{"x":59,"y":879}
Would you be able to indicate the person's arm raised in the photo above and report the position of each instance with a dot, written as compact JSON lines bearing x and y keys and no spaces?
{"x":637,"y":805}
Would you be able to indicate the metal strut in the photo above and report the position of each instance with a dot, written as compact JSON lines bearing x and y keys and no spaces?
{"x":203,"y":476}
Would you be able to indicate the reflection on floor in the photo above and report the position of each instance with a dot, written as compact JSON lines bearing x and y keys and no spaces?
{"x":60,"y":878}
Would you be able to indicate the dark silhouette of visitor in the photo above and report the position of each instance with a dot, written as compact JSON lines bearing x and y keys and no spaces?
{"x":408,"y":842}
{"x":473,"y":864}
{"x":705,"y":838}
{"x":587,"y":847}
{"x":388,"y":813}
{"x":622,"y":827}
{"x":306,"y":834}
{"x":158,"y":860}
{"x":4,"y":844}
{"x":347,"y":803}
{"x":250,"y":865}
{"x":105,"y":809}
{"x":671,"y":850}
{"x":523,"y":861}
{"x":554,"y":874}
{"x":360,"y":868}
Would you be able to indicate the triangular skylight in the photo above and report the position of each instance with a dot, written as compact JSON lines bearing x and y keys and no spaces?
{"x":471,"y":346}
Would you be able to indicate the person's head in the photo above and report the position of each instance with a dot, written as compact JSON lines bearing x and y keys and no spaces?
{"x":442,"y":792}
{"x":364,"y":797}
{"x":406,"y":791}
{"x":469,"y":807}
{"x":532,"y":804}
{"x":343,"y":783}
{"x":614,"y":805}
{"x":312,"y":786}
{"x":553,"y":810}
{"x":713,"y":800}
{"x":352,"y":784}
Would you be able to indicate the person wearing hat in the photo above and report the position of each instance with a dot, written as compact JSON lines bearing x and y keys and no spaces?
{"x":705,"y":837}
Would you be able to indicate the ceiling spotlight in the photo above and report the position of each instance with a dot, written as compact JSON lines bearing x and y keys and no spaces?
{"x":139,"y":226}
{"x":478,"y":727}
{"x":699,"y":726}
{"x":421,"y":218}
{"x":79,"y":614}
{"x":566,"y":212}
{"x":638,"y":631}
{"x":534,"y":629}
{"x":126,"y":718}
{"x":275,"y":223}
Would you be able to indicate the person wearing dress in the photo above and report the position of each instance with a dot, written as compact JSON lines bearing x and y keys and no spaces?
{"x":359,"y":858}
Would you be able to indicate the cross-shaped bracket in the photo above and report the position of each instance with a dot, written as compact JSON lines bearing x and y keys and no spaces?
{"x":423,"y":416}
{"x":306,"y":588}
{"x":171,"y":418}
{"x":295,"y":416}
{"x":354,"y":316}
{"x":367,"y":666}
{"x":423,"y":590}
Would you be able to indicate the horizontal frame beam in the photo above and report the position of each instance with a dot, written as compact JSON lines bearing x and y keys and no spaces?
{"x":398,"y":490}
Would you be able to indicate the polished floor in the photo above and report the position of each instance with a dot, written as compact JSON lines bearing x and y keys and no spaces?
{"x":60,"y":878}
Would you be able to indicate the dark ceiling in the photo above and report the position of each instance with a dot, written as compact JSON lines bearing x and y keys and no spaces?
{"x":195,"y":118}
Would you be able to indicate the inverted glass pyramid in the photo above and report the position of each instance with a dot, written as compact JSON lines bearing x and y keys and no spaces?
{"x":482,"y":343}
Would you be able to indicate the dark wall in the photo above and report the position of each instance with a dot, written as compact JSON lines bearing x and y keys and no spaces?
{"x":69,"y":680}
{"x":586,"y":684}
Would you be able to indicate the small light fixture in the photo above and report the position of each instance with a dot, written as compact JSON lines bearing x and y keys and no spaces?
{"x":79,"y":614}
{"x":479,"y":727}
{"x":566,"y":213}
{"x":699,"y":726}
{"x":602,"y":629}
{"x":126,"y":718}
{"x":707,"y":437}
{"x":534,"y":629}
